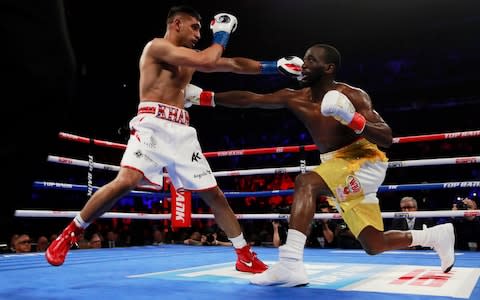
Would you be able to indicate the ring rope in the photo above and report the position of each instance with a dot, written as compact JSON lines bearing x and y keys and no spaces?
{"x":317,"y":216}
{"x":264,"y":171}
{"x":382,"y":188}
{"x":286,"y":149}
{"x":404,"y":187}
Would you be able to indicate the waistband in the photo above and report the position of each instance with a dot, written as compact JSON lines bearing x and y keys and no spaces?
{"x":361,"y":148}
{"x":165,"y":111}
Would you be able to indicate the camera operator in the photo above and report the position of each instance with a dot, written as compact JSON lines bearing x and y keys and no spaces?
{"x":216,"y":239}
{"x":467,"y":228}
{"x":322,"y":232}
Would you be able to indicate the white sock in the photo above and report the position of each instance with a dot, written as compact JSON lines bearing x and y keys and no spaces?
{"x":80,"y":222}
{"x":419,"y":238}
{"x":238,"y":242}
{"x":293,"y":248}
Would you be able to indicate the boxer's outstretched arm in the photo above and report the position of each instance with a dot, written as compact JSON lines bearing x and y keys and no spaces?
{"x":165,"y":52}
{"x":245,"y":99}
{"x":290,"y":66}
{"x":239,"y":65}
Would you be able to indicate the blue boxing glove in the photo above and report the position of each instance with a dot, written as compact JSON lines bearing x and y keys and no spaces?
{"x":290,"y":66}
{"x":222,"y":25}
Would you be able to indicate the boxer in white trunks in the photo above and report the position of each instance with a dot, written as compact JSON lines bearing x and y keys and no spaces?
{"x":160,"y":133}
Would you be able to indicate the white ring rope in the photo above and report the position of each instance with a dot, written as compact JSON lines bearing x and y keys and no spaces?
{"x":318,"y":216}
{"x":264,"y":171}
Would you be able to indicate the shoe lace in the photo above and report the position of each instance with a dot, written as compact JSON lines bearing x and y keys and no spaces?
{"x":254,"y":256}
{"x":72,"y":239}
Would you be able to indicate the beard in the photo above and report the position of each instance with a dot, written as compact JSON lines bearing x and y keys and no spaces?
{"x":304,"y":83}
{"x":311,"y":79}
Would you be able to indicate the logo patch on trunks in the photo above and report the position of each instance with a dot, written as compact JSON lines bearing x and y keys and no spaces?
{"x":352,"y":186}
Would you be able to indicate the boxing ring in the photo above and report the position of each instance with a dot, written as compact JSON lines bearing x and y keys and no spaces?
{"x":202,"y":272}
{"x":189,"y":272}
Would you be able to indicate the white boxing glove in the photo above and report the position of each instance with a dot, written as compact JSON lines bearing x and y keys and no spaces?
{"x":337,"y":105}
{"x":197,"y":96}
{"x":290,"y":66}
{"x":222,"y":25}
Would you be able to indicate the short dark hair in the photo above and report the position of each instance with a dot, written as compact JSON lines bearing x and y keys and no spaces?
{"x":332,"y":55}
{"x":185,"y":9}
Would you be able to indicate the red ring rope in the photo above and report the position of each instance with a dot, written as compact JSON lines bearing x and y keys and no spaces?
{"x":286,"y":149}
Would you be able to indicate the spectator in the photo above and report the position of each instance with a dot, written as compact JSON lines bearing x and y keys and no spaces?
{"x":409,"y":204}
{"x":53,"y":237}
{"x":467,"y":228}
{"x":11,"y":246}
{"x":158,"y":237}
{"x":217,"y":239}
{"x":42,"y":243}
{"x":112,"y":240}
{"x":95,"y":241}
{"x":195,"y":239}
{"x":23,"y":244}
{"x":82,"y":242}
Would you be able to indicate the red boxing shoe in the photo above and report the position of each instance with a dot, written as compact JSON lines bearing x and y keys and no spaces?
{"x":58,"y":249}
{"x":247,"y":261}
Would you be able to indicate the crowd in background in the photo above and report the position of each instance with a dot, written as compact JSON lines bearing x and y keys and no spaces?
{"x":324,"y":233}
{"x":408,"y":86}
{"x":126,"y":232}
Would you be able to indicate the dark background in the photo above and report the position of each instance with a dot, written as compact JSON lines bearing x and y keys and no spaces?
{"x":413,"y":57}
{"x":418,"y":60}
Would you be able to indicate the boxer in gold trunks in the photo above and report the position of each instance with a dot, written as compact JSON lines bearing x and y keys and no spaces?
{"x":348,"y":133}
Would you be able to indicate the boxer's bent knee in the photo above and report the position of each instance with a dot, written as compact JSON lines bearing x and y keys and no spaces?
{"x":372,"y":240}
{"x":128,"y":178}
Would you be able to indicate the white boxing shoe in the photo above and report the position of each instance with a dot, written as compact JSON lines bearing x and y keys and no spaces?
{"x":293,"y":275}
{"x":443,"y":242}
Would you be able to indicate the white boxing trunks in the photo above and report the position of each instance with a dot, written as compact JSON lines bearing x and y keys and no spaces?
{"x":161,"y":137}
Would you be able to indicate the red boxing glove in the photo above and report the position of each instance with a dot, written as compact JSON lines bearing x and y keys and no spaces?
{"x":196,"y":96}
